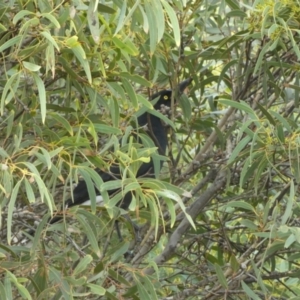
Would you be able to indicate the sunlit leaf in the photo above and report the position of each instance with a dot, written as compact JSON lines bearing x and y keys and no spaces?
{"x":174,"y":21}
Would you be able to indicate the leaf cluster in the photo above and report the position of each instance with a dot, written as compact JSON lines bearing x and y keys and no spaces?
{"x":221,"y":220}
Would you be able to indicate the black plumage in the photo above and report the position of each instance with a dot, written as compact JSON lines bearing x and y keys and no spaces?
{"x":157,"y":133}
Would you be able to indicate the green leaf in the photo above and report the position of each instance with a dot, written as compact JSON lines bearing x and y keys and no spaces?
{"x":56,"y":151}
{"x":283,"y":121}
{"x":122,"y":45}
{"x":10,"y":123}
{"x":260,"y":168}
{"x":8,"y":249}
{"x":136,"y":78}
{"x":76,"y":282}
{"x":82,"y":265}
{"x":67,"y":67}
{"x":259,"y":279}
{"x":86,"y":174}
{"x":22,"y":290}
{"x":58,"y":280}
{"x":44,"y":192}
{"x":249,"y":292}
{"x":29,"y":23}
{"x":159,"y":17}
{"x":266,"y":113}
{"x":162,"y":117}
{"x":46,"y":158}
{"x":239,"y":147}
{"x":111,"y":185}
{"x":124,"y":20}
{"x":236,"y":13}
{"x":174,"y":21}
{"x":171,"y":195}
{"x":145,"y":287}
{"x":275,"y":246}
{"x":49,"y":37}
{"x":241,"y":204}
{"x":233,"y":4}
{"x":221,"y":276}
{"x":171,"y":211}
{"x":2,"y":291}
{"x":145,"y":102}
{"x":96,"y":289}
{"x":115,"y":112}
{"x":11,"y":42}
{"x":185,"y":106}
{"x":102,"y":128}
{"x":92,"y":131}
{"x":18,"y":136}
{"x":11,"y":207}
{"x":51,"y":18}
{"x":81,"y":56}
{"x":289,"y":205}
{"x":121,"y":250}
{"x":31,"y":67}
{"x":8,"y":288}
{"x":289,"y":241}
{"x":105,"y":9}
{"x":89,"y":234}
{"x":145,"y":19}
{"x":121,"y":15}
{"x":152,"y":26}
{"x":130,"y":91}
{"x":234,"y":264}
{"x":93,"y":21}
{"x":59,"y":119}
{"x":250,"y":166}
{"x":10,"y":88}
{"x":3,"y":153}
{"x":151,"y":202}
{"x":118,"y":277}
{"x":249,"y":224}
{"x":243,"y":106}
{"x":42,"y":95}
{"x":21,"y":15}
{"x":38,"y":233}
{"x":29,"y":191}
{"x":116,"y":90}
{"x":261,"y":57}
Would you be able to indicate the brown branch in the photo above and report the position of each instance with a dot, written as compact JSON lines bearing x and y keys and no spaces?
{"x":194,"y":210}
{"x":209,"y":143}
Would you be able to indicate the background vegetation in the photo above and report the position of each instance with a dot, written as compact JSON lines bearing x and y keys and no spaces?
{"x":74,"y":76}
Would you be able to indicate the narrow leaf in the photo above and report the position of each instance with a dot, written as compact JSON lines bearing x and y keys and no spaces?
{"x":11,"y":42}
{"x":221,"y":276}
{"x":249,"y":292}
{"x":49,"y":37}
{"x":11,"y":207}
{"x":42,"y":95}
{"x":81,"y":56}
{"x":89,"y":234}
{"x":174,"y":21}
{"x":82,"y":265}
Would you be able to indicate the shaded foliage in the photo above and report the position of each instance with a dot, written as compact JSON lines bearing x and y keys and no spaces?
{"x":222,"y":220}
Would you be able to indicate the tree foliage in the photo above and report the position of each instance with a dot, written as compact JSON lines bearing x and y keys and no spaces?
{"x":222,"y":219}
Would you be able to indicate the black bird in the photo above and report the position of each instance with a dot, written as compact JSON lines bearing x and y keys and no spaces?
{"x":157,"y":133}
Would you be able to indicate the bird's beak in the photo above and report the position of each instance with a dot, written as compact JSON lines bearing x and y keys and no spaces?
{"x":184,"y":84}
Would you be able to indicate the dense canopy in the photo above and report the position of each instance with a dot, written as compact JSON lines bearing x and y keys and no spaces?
{"x":221,"y":218}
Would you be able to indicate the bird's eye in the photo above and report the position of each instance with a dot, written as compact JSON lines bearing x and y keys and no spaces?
{"x":166,"y":97}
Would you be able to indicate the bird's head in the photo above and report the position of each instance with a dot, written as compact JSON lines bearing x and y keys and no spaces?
{"x":165,"y":96}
